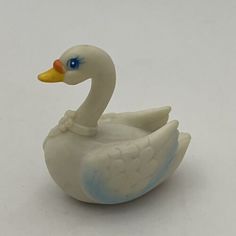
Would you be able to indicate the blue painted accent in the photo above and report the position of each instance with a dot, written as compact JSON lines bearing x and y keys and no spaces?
{"x":95,"y":184}
{"x":74,"y":63}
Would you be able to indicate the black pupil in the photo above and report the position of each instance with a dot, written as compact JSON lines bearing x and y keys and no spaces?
{"x":73,"y":63}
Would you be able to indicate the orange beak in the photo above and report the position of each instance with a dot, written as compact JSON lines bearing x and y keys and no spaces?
{"x":55,"y":74}
{"x":58,"y":66}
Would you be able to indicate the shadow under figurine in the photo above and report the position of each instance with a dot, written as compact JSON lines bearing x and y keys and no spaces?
{"x":108,"y":158}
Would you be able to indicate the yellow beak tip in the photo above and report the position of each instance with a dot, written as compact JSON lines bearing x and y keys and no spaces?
{"x":40,"y":77}
{"x":51,"y":76}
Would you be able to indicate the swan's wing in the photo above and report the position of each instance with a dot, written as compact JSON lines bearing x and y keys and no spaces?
{"x":149,"y":120}
{"x":127,"y":170}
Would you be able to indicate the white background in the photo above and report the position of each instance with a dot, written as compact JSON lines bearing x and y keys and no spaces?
{"x":179,"y":53}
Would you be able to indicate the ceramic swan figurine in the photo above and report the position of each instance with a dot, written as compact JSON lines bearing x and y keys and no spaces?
{"x":111,"y":158}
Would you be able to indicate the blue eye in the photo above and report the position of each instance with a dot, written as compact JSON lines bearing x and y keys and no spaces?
{"x":74,"y":63}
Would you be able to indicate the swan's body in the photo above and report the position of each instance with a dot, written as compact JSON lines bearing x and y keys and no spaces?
{"x":109,"y":158}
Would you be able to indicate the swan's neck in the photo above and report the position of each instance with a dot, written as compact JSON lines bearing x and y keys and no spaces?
{"x":89,"y":112}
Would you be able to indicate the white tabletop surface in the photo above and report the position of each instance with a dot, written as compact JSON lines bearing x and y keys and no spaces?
{"x":178,"y":53}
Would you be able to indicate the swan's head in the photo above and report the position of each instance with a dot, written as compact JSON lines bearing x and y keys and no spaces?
{"x":78,"y":64}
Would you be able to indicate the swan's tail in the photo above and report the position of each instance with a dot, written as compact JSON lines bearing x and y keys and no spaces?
{"x":149,"y":120}
{"x":183,"y":141}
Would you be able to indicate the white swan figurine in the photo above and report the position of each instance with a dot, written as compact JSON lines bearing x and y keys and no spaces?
{"x":111,"y":158}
